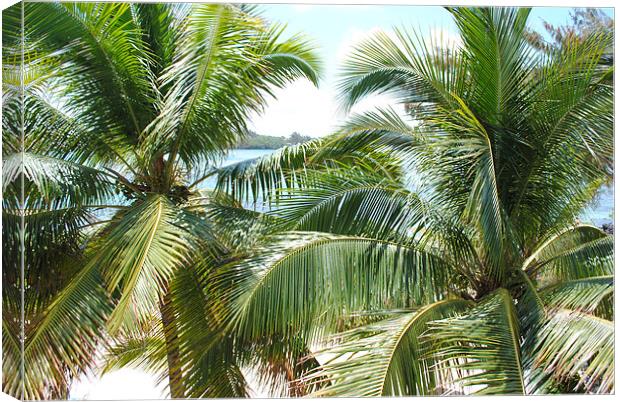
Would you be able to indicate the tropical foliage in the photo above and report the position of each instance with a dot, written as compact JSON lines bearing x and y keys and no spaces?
{"x":584,"y":21}
{"x":467,"y":269}
{"x":429,"y":248}
{"x":125,"y":105}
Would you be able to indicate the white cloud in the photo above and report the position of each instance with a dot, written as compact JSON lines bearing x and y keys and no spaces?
{"x":306,"y":109}
{"x":299,"y":107}
{"x":353,"y":37}
{"x":310,"y":111}
{"x":302,"y":107}
{"x":315,"y":111}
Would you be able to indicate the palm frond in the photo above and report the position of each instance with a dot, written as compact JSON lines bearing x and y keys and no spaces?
{"x":65,"y":336}
{"x":160,"y":25}
{"x":571,"y":123}
{"x":56,"y":182}
{"x":574,"y":344}
{"x":532,"y":314}
{"x":499,"y":59}
{"x":351,"y":202}
{"x":484,"y":343}
{"x":583,"y":295}
{"x":301,"y":283}
{"x":210,"y":363}
{"x":226,"y":62}
{"x":280,"y":364}
{"x":138,"y":256}
{"x":281,"y":61}
{"x":359,"y":201}
{"x":386,"y":358}
{"x":592,"y":258}
{"x":255,"y":179}
{"x":106,"y":56}
{"x":376,"y":130}
{"x":408,"y":67}
{"x":239,"y":229}
{"x":147,"y":353}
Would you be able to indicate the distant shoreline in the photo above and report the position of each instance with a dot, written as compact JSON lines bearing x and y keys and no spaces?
{"x":253,"y":147}
{"x":258,"y":141}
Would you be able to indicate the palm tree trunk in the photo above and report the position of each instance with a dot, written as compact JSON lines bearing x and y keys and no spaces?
{"x":175,"y":376}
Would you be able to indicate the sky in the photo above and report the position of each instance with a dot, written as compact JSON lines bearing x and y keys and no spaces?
{"x":311,"y":111}
{"x":334,"y":29}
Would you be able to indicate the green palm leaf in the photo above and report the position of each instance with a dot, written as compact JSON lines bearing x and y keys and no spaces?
{"x":255,"y":179}
{"x":226,"y":62}
{"x":106,"y":55}
{"x":484,"y":343}
{"x":377,"y":130}
{"x":209,"y":361}
{"x":499,"y":59}
{"x":581,"y":294}
{"x":578,"y":260}
{"x":57,"y":182}
{"x":139,"y":255}
{"x":302,"y":283}
{"x":580,"y":345}
{"x":353,"y":202}
{"x":407,"y":67}
{"x":145,"y":350}
{"x":51,"y":349}
{"x":385,"y":358}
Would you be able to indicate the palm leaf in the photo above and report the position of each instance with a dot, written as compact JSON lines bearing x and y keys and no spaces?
{"x":592,"y":258}
{"x":65,"y":336}
{"x":57,"y":182}
{"x":209,"y":360}
{"x":409,"y":68}
{"x":386,"y":358}
{"x":499,"y":59}
{"x":139,"y":255}
{"x":574,"y":344}
{"x":484,"y":343}
{"x":583,"y":295}
{"x":255,"y":179}
{"x":227,"y":61}
{"x":302,"y":283}
{"x":372,"y":131}
{"x":107,"y":55}
{"x":146,"y":351}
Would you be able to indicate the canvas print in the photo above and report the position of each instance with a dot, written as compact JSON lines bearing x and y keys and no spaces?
{"x":212,"y":200}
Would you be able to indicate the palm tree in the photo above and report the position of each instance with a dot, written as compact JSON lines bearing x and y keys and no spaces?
{"x":125,"y":107}
{"x":443,"y":253}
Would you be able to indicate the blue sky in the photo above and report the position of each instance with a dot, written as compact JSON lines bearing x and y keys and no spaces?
{"x":329,"y":25}
{"x":334,"y":29}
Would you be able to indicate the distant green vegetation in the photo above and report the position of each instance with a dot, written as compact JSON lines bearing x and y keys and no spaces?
{"x":257,"y":141}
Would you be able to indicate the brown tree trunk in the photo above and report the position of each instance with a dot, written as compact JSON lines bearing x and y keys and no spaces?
{"x":175,"y":376}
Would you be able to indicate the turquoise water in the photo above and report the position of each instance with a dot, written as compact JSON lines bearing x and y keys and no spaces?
{"x":238,"y":155}
{"x":600,"y":211}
